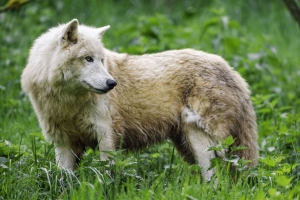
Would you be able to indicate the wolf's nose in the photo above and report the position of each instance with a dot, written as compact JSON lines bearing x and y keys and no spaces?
{"x":111,"y":83}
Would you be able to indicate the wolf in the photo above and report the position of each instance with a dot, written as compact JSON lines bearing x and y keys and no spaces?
{"x":85,"y":95}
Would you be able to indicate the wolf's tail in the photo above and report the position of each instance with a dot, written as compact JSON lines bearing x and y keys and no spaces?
{"x":244,"y":130}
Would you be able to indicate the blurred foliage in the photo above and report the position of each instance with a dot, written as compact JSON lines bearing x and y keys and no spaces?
{"x":13,"y":4}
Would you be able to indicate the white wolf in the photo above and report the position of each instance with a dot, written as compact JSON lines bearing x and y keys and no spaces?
{"x":87,"y":96}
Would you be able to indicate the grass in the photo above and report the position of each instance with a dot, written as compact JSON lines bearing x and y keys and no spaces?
{"x":259,"y":39}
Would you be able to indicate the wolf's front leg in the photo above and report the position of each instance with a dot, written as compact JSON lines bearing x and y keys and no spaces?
{"x":105,"y":144}
{"x":66,"y":157}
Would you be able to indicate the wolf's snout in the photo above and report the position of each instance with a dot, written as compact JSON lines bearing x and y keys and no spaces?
{"x":111,"y":83}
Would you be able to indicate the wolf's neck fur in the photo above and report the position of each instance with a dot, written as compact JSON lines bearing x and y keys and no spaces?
{"x":63,"y":105}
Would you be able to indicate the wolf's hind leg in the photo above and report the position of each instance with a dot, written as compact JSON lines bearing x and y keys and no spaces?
{"x":198,"y":141}
{"x":66,"y":157}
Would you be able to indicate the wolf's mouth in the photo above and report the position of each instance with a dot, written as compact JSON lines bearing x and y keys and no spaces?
{"x":100,"y":91}
{"x":93,"y":89}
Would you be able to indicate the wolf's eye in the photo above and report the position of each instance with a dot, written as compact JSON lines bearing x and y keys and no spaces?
{"x":89,"y":59}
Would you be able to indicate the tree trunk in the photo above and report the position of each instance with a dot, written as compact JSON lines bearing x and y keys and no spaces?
{"x":294,"y":9}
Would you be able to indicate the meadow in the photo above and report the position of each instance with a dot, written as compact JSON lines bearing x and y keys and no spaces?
{"x":259,"y":39}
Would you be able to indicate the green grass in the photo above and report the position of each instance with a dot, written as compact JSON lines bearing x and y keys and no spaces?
{"x":258,"y":38}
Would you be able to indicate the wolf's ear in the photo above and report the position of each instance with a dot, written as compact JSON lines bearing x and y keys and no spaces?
{"x":70,"y":33}
{"x":102,"y":30}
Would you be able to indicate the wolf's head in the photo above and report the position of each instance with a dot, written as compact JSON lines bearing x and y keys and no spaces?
{"x":70,"y":58}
